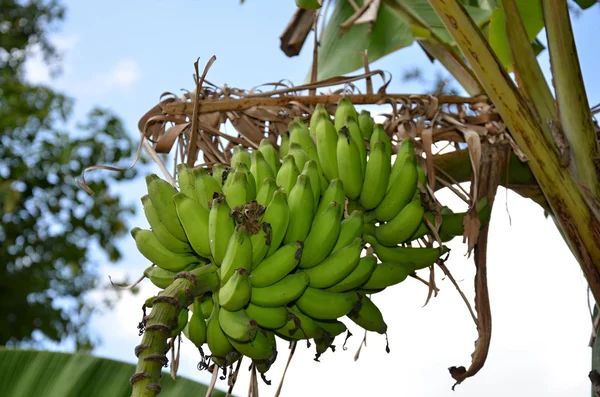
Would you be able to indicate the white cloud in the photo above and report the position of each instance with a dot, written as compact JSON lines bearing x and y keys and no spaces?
{"x":121,"y":77}
{"x":36,"y":70}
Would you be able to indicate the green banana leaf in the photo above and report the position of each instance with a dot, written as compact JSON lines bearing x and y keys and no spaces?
{"x":340,"y":54}
{"x":32,"y":373}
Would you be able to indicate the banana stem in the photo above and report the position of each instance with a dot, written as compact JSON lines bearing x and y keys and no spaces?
{"x":159,"y":323}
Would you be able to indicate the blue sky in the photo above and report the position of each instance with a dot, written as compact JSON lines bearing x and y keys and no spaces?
{"x":123,"y":55}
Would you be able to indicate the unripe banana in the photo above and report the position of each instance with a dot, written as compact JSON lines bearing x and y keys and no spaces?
{"x":401,"y":191}
{"x":366,"y":123}
{"x":287,"y":175}
{"x":150,"y":247}
{"x":237,"y":189}
{"x":284,"y":147}
{"x":277,"y":266}
{"x":344,"y":110}
{"x":302,"y":209}
{"x":368,"y":316}
{"x":350,"y":229}
{"x":219,"y":174}
{"x":265,"y":194}
{"x":421,"y":257}
{"x":206,"y":185}
{"x":423,"y":229}
{"x":268,"y":317}
{"x":196,"y":329}
{"x":228,"y":360}
{"x":387,"y":274}
{"x":320,"y":113}
{"x":300,"y":326}
{"x":336,"y":266}
{"x":261,"y":242}
{"x":194,"y":219}
{"x":376,"y":177}
{"x":325,"y":305}
{"x":379,"y":134}
{"x":240,"y":155}
{"x":260,"y":169}
{"x":182,"y":320}
{"x":322,"y":236}
{"x":277,"y":215}
{"x":235,"y":294}
{"x":161,"y":194}
{"x":186,"y":180}
{"x":310,"y":170}
{"x":402,"y":226}
{"x":349,"y":164}
{"x":282,"y":292}
{"x":359,"y":139}
{"x":421,"y":177}
{"x":309,"y":4}
{"x":163,"y":278}
{"x":406,"y":151}
{"x":238,"y":253}
{"x":359,"y":275}
{"x":237,"y":325}
{"x":242,"y":167}
{"x":300,"y":135}
{"x":220,"y":228}
{"x":326,"y":136}
{"x":160,"y":231}
{"x":270,"y":154}
{"x":206,"y":306}
{"x":300,"y":156}
{"x":332,"y":327}
{"x":334,"y":192}
{"x":262,"y":347}
{"x":217,"y":341}
{"x":453,"y":223}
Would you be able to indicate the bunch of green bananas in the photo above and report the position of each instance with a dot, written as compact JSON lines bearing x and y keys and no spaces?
{"x":288,"y":231}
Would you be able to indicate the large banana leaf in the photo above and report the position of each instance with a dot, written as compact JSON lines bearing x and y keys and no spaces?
{"x":31,"y":373}
{"x":341,"y":54}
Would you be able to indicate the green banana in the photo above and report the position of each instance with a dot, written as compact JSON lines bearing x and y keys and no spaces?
{"x":228,"y":360}
{"x":235,"y":294}
{"x":284,"y":147}
{"x":160,"y":231}
{"x":322,"y":236}
{"x":237,"y":325}
{"x":196,"y":329}
{"x":453,"y":223}
{"x":366,"y":123}
{"x":270,"y":154}
{"x":206,"y":306}
{"x":336,"y":266}
{"x":300,"y":156}
{"x":423,"y":229}
{"x":366,"y":266}
{"x":325,"y":305}
{"x":277,"y":266}
{"x":300,"y":201}
{"x":240,"y":155}
{"x":344,"y":110}
{"x":238,"y":253}
{"x":320,"y":113}
{"x":262,"y":347}
{"x":207,"y":185}
{"x":349,"y":164}
{"x":217,"y":341}
{"x":379,"y":134}
{"x":261,"y":242}
{"x":287,"y":175}
{"x":299,"y":134}
{"x":421,"y":257}
{"x":163,"y":278}
{"x":376,"y":179}
{"x":300,"y":326}
{"x":309,"y":4}
{"x":277,"y":215}
{"x":265,"y":194}
{"x":182,"y":320}
{"x":237,"y":189}
{"x":359,"y":139}
{"x":326,"y":137}
{"x":310,"y":170}
{"x":350,"y":229}
{"x":334,"y":192}
{"x":332,"y":327}
{"x":194,"y":219}
{"x":368,"y":316}
{"x":282,"y":292}
{"x":260,"y":169}
{"x":400,"y":192}
{"x":161,"y":194}
{"x":155,"y":252}
{"x":387,"y":274}
{"x":220,"y":228}
{"x":252,"y":187}
{"x":268,"y":317}
{"x":406,"y":151}
{"x":186,"y":180}
{"x":402,"y":226}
